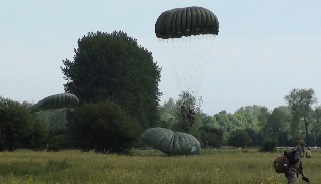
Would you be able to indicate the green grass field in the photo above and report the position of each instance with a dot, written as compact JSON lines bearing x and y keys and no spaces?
{"x":147,"y":166}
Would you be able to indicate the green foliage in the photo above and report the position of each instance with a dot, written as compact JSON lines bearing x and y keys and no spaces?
{"x":263,"y":116}
{"x":284,"y":123}
{"x":103,"y":127}
{"x":211,"y":137}
{"x":255,"y":136}
{"x":254,"y":110}
{"x":277,"y":123}
{"x":167,"y":114}
{"x":113,"y":66}
{"x":185,"y":102}
{"x":57,"y":142}
{"x":301,"y":102}
{"x":239,"y":138}
{"x":39,"y":134}
{"x":20,"y":128}
{"x":269,"y":145}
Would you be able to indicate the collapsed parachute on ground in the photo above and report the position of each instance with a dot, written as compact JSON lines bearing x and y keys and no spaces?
{"x":58,"y":101}
{"x":187,"y":21}
{"x":172,"y":143}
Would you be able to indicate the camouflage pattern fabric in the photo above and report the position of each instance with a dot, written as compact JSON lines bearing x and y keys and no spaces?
{"x":296,"y":167}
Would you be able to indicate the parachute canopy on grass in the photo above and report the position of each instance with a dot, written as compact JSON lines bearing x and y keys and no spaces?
{"x":58,"y":101}
{"x":187,"y":21}
{"x":172,"y":143}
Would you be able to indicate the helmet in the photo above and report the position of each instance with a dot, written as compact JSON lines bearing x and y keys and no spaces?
{"x":300,"y":142}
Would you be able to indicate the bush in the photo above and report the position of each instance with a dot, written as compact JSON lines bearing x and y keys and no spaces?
{"x":239,"y":138}
{"x":57,"y":142}
{"x":256,"y":137}
{"x":19,"y":128}
{"x":269,"y":145}
{"x":211,"y":136}
{"x":103,"y":127}
{"x":39,"y":134}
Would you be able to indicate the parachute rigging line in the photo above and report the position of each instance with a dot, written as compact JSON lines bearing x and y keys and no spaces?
{"x":187,"y":35}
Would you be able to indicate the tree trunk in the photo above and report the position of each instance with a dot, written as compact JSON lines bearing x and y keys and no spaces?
{"x":306,"y":124}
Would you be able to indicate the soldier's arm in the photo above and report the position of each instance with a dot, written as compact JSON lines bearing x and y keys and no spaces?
{"x":298,"y":154}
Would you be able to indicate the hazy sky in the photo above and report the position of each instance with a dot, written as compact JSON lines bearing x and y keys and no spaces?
{"x":264,"y":48}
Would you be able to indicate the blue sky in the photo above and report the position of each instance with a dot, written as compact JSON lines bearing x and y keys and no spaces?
{"x":263,"y":50}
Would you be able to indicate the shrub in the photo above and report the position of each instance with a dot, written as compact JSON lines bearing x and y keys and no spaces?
{"x":19,"y":128}
{"x":211,"y":136}
{"x":239,"y":138}
{"x":269,"y":145}
{"x":39,"y":133}
{"x":57,"y":142}
{"x":103,"y":127}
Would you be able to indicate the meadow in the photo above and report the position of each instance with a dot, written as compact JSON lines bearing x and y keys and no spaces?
{"x":217,"y":166}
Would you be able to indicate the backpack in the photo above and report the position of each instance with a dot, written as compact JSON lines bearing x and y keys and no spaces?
{"x":290,"y":154}
{"x":281,"y":163}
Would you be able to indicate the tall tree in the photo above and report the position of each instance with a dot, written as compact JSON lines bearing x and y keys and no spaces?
{"x":276,"y":125}
{"x":255,"y":110}
{"x":301,"y":102}
{"x":113,"y":66}
{"x":315,"y":125}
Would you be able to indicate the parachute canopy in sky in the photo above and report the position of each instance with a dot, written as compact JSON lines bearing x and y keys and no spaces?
{"x":58,"y":101}
{"x":187,"y":37}
{"x":172,"y":143}
{"x":187,"y":21}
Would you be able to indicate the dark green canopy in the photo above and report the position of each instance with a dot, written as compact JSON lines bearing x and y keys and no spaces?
{"x":58,"y":101}
{"x":172,"y":143}
{"x":187,"y":21}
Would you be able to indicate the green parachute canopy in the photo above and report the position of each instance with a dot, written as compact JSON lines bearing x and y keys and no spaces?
{"x":57,"y":101}
{"x":172,"y":143}
{"x":187,"y":21}
{"x":187,"y":37}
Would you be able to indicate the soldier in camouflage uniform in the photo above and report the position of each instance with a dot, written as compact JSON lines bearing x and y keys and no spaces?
{"x":308,"y":153}
{"x":295,"y":165}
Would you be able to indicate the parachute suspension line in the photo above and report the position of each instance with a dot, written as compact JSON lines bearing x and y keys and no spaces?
{"x":197,"y":62}
{"x":188,"y":58}
{"x":176,"y":62}
{"x":198,"y":57}
{"x":207,"y":43}
{"x":166,"y":47}
{"x":187,"y":63}
{"x":50,"y":114}
{"x":184,"y":62}
{"x":59,"y":112}
{"x":191,"y":64}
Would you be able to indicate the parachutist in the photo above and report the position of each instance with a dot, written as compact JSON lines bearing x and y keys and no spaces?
{"x":191,"y":115}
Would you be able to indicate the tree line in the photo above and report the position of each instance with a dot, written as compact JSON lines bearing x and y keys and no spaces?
{"x":252,"y":125}
{"x":116,"y":81}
